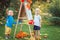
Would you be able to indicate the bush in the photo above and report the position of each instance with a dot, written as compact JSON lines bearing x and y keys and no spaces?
{"x":55,"y":20}
{"x":54,"y":8}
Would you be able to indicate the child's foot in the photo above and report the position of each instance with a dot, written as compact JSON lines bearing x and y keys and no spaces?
{"x":6,"y":38}
{"x":9,"y":37}
{"x":38,"y":38}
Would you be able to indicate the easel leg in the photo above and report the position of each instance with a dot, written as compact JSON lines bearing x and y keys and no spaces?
{"x":21,"y":27}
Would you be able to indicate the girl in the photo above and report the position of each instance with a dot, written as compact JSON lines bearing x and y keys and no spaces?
{"x":37,"y":24}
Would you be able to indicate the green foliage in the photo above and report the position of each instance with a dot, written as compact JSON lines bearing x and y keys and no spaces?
{"x":55,"y":20}
{"x":54,"y":8}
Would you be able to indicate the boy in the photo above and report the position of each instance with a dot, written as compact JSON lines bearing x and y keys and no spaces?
{"x":9,"y":23}
{"x":37,"y":24}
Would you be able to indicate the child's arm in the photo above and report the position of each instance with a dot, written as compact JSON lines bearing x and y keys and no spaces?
{"x":40,"y":21}
{"x":14,"y":22}
{"x":11,"y":20}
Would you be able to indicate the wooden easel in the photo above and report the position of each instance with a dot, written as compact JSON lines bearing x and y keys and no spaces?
{"x":22,"y":23}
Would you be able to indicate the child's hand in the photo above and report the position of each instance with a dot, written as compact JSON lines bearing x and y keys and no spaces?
{"x":40,"y":25}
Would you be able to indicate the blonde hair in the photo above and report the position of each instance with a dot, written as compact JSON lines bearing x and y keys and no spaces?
{"x":10,"y":11}
{"x":37,"y":9}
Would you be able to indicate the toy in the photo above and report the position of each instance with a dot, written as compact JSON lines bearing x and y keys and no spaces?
{"x":28,"y":12}
{"x":31,"y":22}
{"x":21,"y":34}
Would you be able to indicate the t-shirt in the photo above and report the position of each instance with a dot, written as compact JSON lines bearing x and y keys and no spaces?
{"x":37,"y":19}
{"x":9,"y":21}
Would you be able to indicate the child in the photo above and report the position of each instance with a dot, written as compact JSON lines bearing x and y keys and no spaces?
{"x":37,"y":24}
{"x":9,"y":23}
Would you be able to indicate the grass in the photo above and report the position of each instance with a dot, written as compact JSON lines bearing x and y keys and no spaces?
{"x":52,"y":31}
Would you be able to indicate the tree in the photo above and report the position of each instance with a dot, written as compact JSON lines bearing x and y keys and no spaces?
{"x":3,"y":5}
{"x":54,"y":8}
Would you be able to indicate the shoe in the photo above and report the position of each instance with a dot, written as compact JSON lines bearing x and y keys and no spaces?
{"x":6,"y":38}
{"x":38,"y":38}
{"x":9,"y":36}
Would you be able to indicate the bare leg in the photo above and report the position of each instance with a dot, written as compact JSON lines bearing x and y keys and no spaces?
{"x":35,"y":34}
{"x":38,"y":36}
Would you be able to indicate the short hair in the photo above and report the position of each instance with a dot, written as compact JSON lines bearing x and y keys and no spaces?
{"x":37,"y":9}
{"x":10,"y":11}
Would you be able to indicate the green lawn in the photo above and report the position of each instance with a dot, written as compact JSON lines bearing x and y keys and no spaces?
{"x":52,"y":31}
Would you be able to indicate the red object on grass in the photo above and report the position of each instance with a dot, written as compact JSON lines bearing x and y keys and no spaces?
{"x":31,"y":22}
{"x":21,"y":34}
{"x":22,"y":0}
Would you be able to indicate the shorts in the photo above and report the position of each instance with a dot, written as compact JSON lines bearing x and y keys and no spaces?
{"x":36,"y":27}
{"x":7,"y":30}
